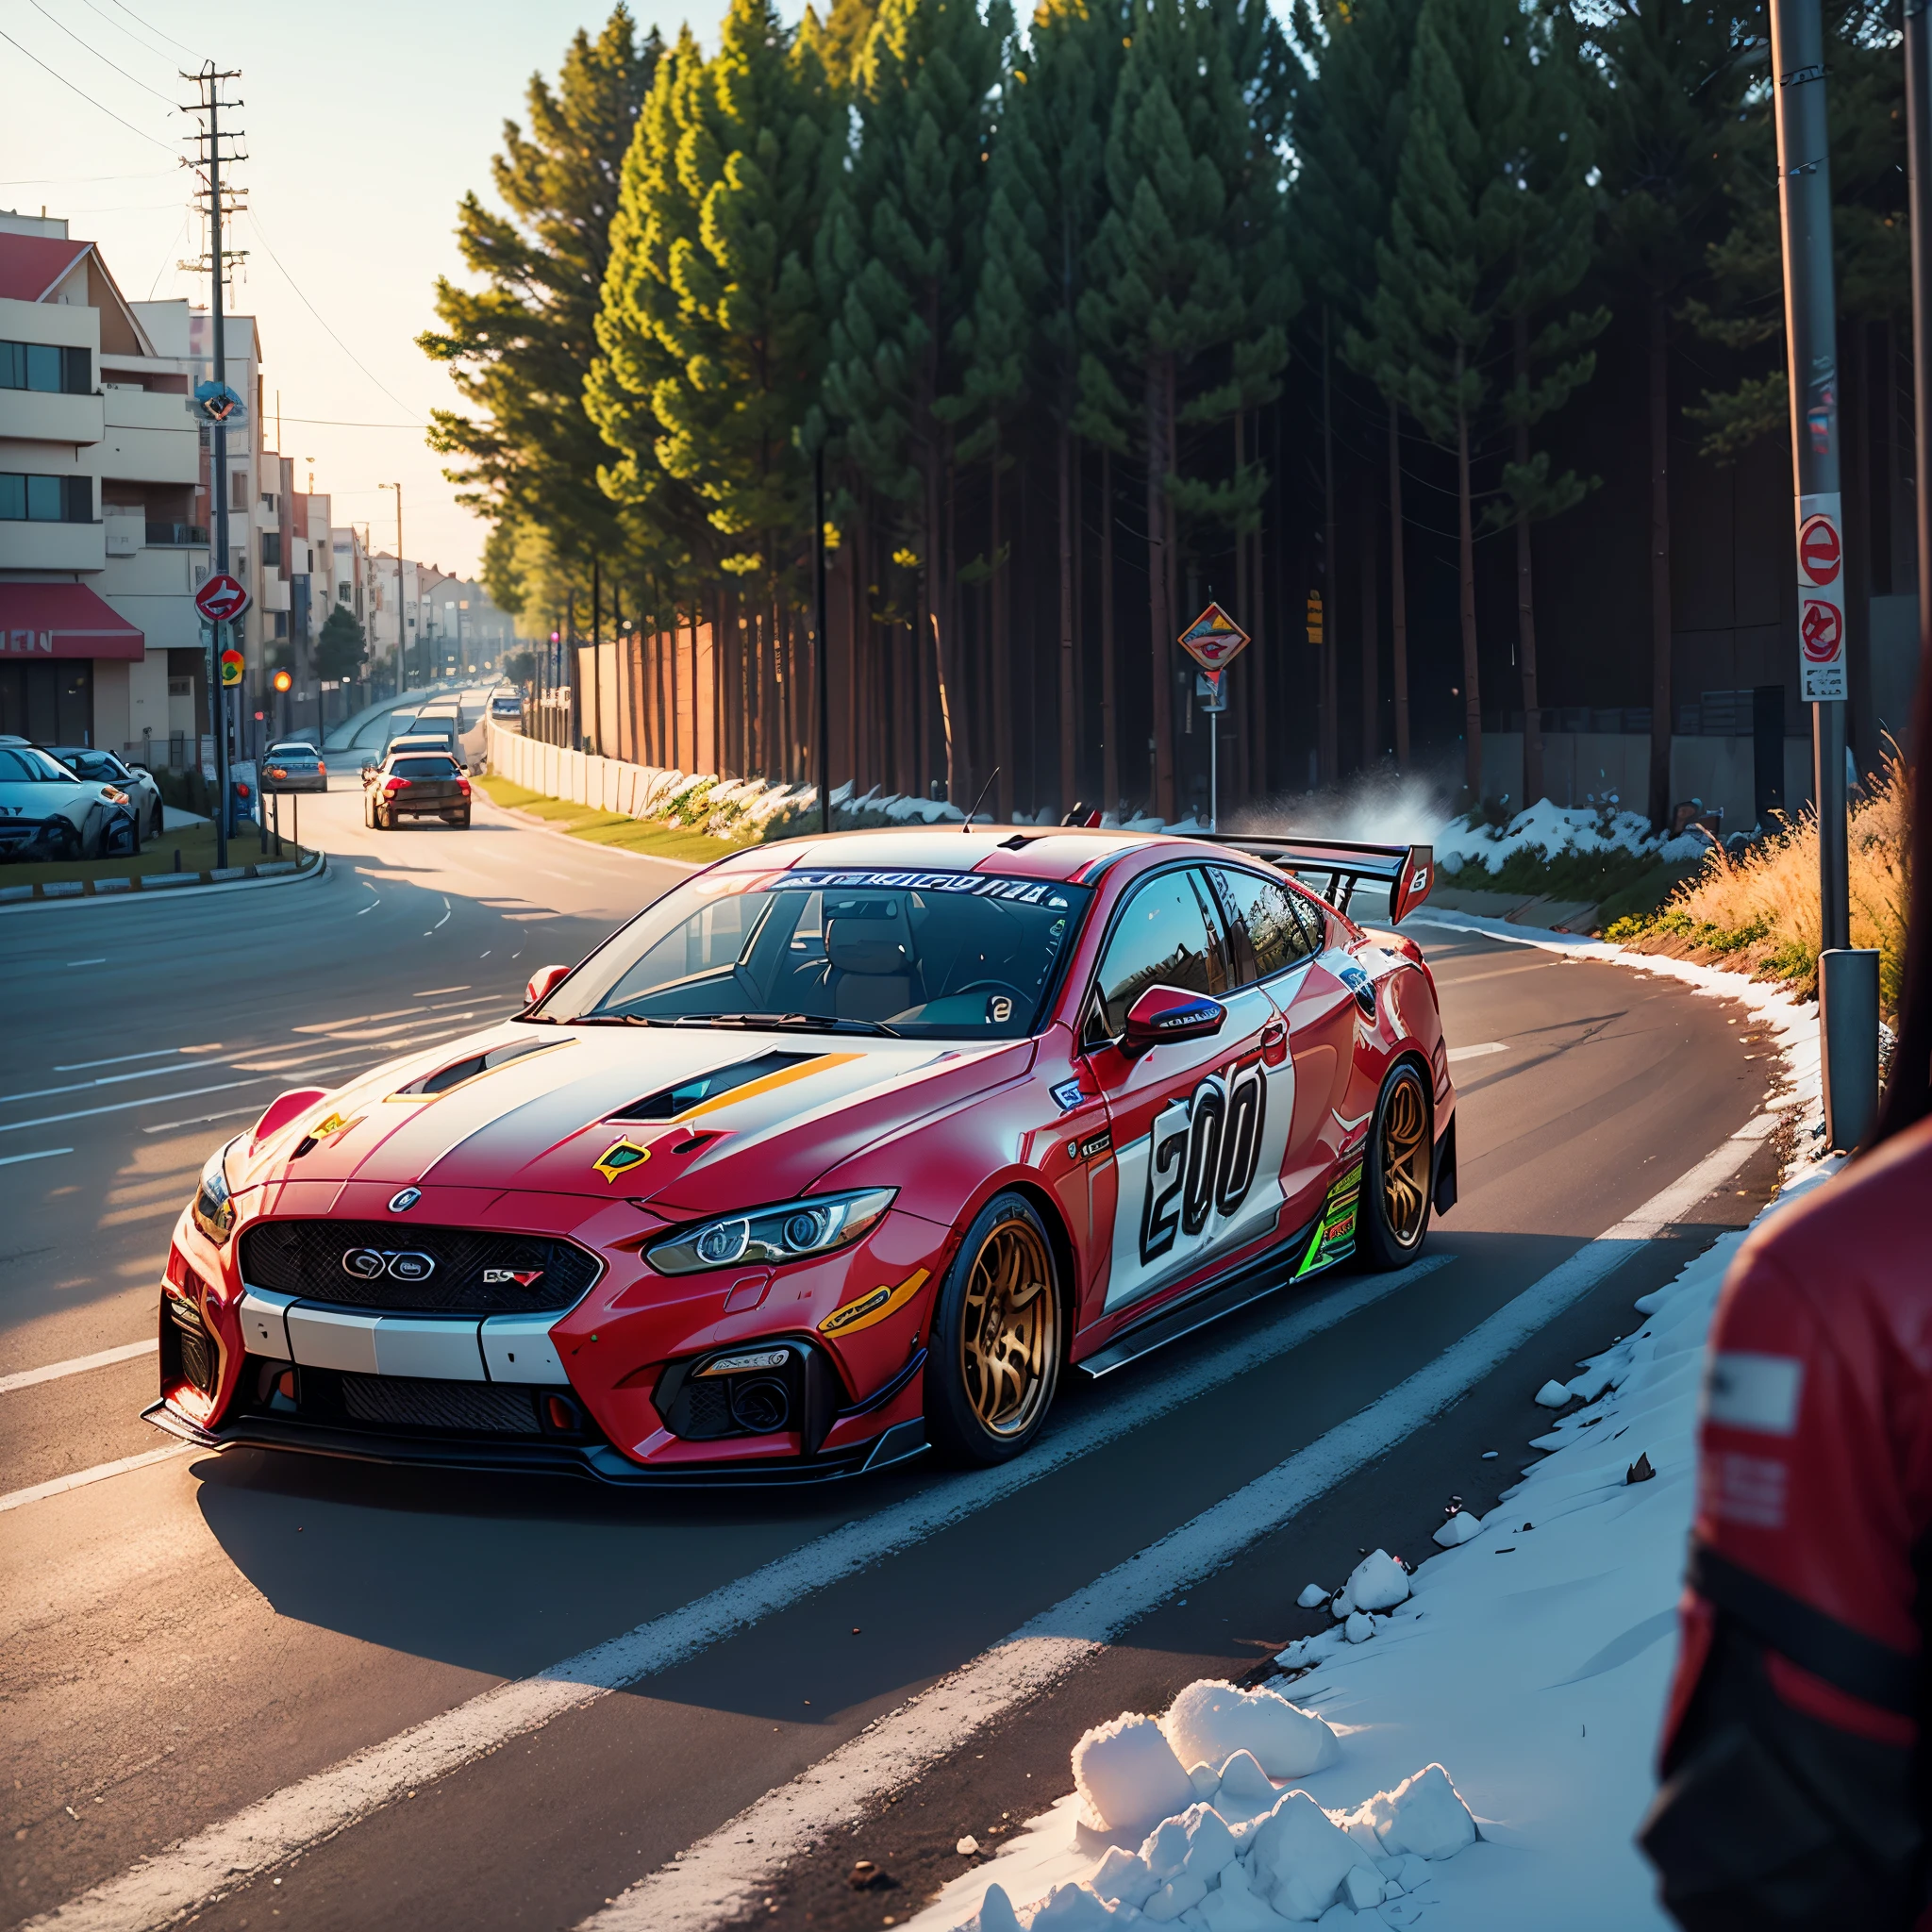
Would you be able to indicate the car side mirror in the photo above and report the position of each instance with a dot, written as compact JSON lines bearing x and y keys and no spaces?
{"x":1165,"y":1013}
{"x":543,"y":982}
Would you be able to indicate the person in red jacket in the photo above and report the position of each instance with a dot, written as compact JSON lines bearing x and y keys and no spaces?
{"x":1795,"y":1788}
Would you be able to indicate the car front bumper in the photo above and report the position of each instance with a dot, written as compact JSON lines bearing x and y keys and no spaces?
{"x":597,"y":1461}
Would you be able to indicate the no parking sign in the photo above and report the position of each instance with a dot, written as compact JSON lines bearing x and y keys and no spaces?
{"x":1821,"y":600}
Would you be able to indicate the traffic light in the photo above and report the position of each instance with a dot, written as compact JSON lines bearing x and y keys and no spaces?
{"x":282,"y":680}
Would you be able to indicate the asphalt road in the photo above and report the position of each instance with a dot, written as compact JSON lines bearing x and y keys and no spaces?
{"x":190,"y":1637}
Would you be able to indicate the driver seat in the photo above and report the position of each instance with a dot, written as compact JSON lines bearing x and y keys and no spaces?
{"x":868,"y":967}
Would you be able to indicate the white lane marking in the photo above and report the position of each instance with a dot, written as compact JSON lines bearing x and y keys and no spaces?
{"x":1473,"y":1053}
{"x":43,"y":1154}
{"x":158,"y":1052}
{"x":122,"y":1106}
{"x":370,"y":907}
{"x":25,"y":1378}
{"x":206,"y":1866}
{"x":201,"y":1120}
{"x":429,"y":992}
{"x":19,"y":1499}
{"x":86,"y":962}
{"x":720,"y":1880}
{"x":101,"y":1080}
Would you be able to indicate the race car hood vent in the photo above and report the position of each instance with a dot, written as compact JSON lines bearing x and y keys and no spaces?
{"x":457,"y":1072}
{"x":670,"y":1103}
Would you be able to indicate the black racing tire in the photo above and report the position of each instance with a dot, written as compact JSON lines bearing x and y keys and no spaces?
{"x":996,"y":1342}
{"x":1398,"y":1171}
{"x":154,"y":821}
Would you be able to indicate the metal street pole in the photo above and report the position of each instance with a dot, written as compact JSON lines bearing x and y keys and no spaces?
{"x":1918,"y":51}
{"x":822,"y":653}
{"x":1847,"y":979}
{"x":1797,"y":53}
{"x":402,"y":620}
{"x":217,"y":692}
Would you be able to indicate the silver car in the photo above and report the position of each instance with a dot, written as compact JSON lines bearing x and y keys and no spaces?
{"x":104,"y":768}
{"x":46,"y":812}
{"x":293,"y":766}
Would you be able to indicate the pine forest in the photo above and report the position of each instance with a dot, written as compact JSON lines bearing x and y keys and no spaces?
{"x":1439,"y":341}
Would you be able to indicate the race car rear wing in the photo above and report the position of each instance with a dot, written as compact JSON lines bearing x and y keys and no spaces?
{"x":1407,"y":870}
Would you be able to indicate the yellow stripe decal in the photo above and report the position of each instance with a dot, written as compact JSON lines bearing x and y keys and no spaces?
{"x":770,"y":1083}
{"x":873,"y":1307}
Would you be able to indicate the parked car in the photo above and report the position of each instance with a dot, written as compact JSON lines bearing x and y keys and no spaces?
{"x":47,"y":811}
{"x":414,"y":784}
{"x":293,"y":766}
{"x":104,"y":768}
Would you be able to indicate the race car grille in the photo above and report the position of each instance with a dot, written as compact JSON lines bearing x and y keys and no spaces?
{"x":470,"y":1408}
{"x":193,"y":1349}
{"x":386,"y":1267}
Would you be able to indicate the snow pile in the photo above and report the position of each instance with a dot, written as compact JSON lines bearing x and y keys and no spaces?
{"x":1552,"y":831}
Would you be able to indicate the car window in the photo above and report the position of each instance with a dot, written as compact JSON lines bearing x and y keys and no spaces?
{"x":27,"y":764}
{"x":422,"y":768}
{"x":1166,"y":937}
{"x":931,"y":955}
{"x":1270,"y":928}
{"x":292,"y":750}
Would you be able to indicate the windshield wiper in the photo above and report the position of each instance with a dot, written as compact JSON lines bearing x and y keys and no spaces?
{"x":770,"y":1022}
{"x":610,"y":1020}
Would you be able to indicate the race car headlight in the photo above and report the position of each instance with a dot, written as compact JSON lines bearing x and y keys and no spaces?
{"x":214,"y":1207}
{"x":113,"y":794}
{"x":770,"y":1235}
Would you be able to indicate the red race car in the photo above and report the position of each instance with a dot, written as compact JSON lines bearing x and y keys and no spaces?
{"x":844,"y":1148}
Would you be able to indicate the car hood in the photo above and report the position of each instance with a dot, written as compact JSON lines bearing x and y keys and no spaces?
{"x":596,"y":1111}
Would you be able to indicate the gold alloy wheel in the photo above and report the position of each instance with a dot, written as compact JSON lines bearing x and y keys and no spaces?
{"x":1405,"y":1161}
{"x":1009,"y":1329}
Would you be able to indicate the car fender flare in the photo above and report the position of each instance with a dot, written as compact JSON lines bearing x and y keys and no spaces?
{"x":1026,"y":1182}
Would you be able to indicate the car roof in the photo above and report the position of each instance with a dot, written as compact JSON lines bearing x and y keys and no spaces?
{"x":1071,"y":854}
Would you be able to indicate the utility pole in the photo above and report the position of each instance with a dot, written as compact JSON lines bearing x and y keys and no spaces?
{"x":208,"y":86}
{"x":822,"y":654}
{"x":1847,"y":980}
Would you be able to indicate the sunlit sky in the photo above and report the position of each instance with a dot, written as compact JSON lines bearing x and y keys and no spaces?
{"x":365,"y":125}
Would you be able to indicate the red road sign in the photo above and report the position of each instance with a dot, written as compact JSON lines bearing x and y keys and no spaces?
{"x":1213,"y":639}
{"x":1822,"y":627}
{"x":222,"y":598}
{"x":1821,"y":554}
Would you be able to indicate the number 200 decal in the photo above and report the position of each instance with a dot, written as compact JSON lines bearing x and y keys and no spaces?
{"x":1202,"y":1156}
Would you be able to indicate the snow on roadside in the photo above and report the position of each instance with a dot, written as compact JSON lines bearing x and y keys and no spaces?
{"x":1522,"y":1676}
{"x":1553,"y":831}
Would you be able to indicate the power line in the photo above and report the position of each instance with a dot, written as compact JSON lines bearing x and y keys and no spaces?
{"x":329,"y":332}
{"x":120,"y":29}
{"x":331,"y":423}
{"x":58,"y":180}
{"x":97,"y":54}
{"x":169,"y":38}
{"x":83,"y":94}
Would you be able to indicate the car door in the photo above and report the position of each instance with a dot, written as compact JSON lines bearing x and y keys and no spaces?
{"x":1189,"y":1120}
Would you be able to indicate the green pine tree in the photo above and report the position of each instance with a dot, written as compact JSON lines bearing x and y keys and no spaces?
{"x":340,"y":647}
{"x":1678,"y":70}
{"x":1453,"y":249}
{"x":898,"y":264}
{"x":522,"y":345}
{"x":1350,"y":119}
{"x":1188,"y":285}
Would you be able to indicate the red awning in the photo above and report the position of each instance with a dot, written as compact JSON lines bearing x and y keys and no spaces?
{"x":62,"y":621}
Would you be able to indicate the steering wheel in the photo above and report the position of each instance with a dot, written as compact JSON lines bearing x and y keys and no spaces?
{"x":988,"y":986}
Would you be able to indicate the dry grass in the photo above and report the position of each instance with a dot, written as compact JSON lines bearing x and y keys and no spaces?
{"x":1759,"y":913}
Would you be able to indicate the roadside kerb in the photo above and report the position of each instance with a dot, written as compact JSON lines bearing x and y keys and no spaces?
{"x":180,"y":885}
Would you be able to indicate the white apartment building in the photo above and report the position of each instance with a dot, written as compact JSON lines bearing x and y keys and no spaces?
{"x":103,"y":520}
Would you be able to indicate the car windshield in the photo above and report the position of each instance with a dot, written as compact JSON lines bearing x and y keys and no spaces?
{"x":422,"y":767}
{"x":292,"y":750}
{"x":89,"y":764}
{"x":925,"y":954}
{"x":24,"y":764}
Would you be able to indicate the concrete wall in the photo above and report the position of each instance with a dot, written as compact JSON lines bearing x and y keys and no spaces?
{"x":1592,"y":767}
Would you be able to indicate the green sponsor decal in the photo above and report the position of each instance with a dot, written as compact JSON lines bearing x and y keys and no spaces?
{"x":1334,"y":1238}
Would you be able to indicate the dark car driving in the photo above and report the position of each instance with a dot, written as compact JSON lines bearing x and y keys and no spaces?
{"x":414,"y":784}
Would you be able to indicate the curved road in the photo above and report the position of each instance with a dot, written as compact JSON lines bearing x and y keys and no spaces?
{"x":195,"y":1639}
